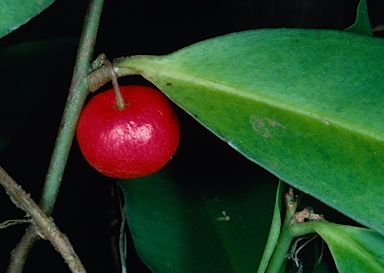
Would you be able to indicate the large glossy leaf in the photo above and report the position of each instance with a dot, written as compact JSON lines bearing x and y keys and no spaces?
{"x":307,"y":105}
{"x":353,"y":249}
{"x":200,"y":222}
{"x":14,"y":13}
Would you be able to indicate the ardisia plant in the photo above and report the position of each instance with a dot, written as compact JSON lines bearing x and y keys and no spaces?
{"x":304,"y":104}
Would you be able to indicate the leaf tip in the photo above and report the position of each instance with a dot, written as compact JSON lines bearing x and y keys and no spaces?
{"x":362,"y":24}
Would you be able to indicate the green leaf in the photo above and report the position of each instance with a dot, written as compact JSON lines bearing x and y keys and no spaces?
{"x":353,"y":249}
{"x":274,"y":232}
{"x":362,"y":24}
{"x":14,"y":13}
{"x":199,"y":223}
{"x":307,"y":105}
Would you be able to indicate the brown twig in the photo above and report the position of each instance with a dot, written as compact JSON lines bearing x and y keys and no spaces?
{"x":20,"y":253}
{"x":43,"y":225}
{"x":9,"y":223}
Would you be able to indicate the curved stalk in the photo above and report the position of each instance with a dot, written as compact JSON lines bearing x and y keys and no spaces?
{"x":280,"y":253}
{"x":294,"y":226}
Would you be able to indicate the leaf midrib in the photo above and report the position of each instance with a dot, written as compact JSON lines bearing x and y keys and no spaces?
{"x":152,"y":67}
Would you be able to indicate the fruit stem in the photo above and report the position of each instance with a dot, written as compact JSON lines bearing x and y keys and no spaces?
{"x":119,"y":98}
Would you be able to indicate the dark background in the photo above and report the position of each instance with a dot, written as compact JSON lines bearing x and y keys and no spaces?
{"x":87,"y":204}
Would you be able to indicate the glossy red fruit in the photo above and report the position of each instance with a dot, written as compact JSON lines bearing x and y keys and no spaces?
{"x":132,"y":142}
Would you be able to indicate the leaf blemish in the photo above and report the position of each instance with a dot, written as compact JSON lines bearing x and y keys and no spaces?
{"x":267,"y":127}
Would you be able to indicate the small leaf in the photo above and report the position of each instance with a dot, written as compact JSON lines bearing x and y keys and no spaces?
{"x":362,"y":24}
{"x":307,"y":105}
{"x":199,"y":223}
{"x":274,"y":231}
{"x":353,"y":249}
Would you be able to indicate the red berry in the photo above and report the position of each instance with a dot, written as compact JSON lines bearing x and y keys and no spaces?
{"x":132,"y":142}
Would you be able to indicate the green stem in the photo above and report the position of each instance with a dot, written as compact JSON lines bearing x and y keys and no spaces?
{"x":77,"y":95}
{"x":280,"y":253}
{"x":292,"y":227}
